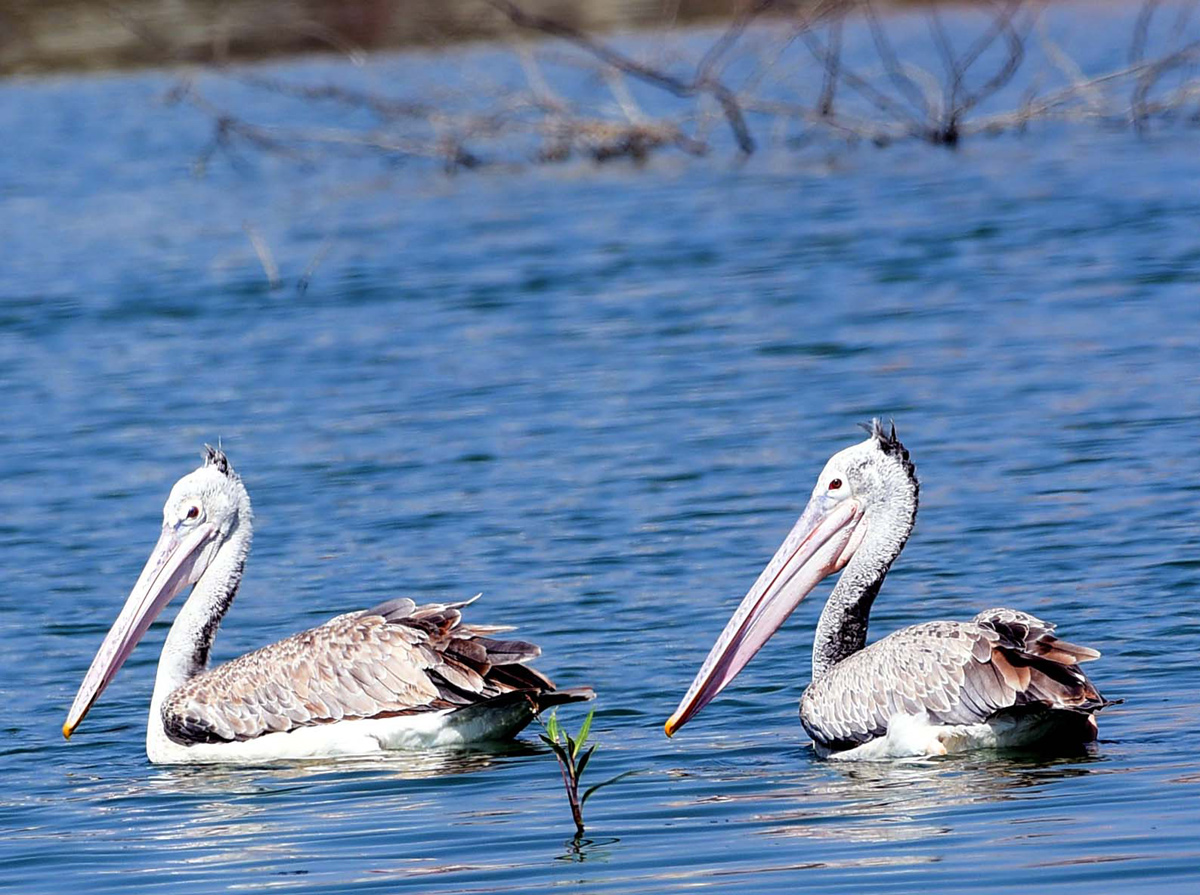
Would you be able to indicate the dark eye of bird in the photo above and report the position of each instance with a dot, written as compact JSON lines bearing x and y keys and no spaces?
{"x":835,"y":484}
{"x":193,"y":512}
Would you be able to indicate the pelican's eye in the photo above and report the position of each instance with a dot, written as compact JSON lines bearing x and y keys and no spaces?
{"x":835,"y":484}
{"x":193,"y":512}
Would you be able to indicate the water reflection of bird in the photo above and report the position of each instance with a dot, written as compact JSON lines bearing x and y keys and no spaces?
{"x":275,"y":816}
{"x":1000,"y":680}
{"x":397,"y":676}
{"x":906,"y":800}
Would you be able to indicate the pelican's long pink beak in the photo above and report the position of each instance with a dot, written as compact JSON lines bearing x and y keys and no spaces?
{"x":821,"y":543}
{"x":168,"y":570}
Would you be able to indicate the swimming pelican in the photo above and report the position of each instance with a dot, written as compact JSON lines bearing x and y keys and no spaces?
{"x":396,"y":676}
{"x":1001,"y":680}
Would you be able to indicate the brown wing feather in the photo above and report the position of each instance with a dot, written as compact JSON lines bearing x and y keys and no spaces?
{"x":956,"y":672}
{"x":394,"y":659}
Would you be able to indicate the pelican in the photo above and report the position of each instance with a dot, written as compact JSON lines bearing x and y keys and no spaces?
{"x":397,"y":676}
{"x":1000,"y":680}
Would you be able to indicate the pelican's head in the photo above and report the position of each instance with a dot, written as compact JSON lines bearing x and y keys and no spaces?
{"x":867,"y":493}
{"x":204,"y":509}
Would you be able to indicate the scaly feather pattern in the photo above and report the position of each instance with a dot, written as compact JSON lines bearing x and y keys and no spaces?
{"x":953,"y":673}
{"x":396,"y":658}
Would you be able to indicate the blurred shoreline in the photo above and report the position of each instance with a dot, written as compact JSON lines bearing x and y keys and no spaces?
{"x":100,"y":35}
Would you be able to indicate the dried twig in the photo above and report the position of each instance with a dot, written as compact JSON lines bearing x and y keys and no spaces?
{"x":831,"y":69}
{"x":1141,"y":28}
{"x":306,"y":278}
{"x":265,"y":258}
{"x":895,"y":71}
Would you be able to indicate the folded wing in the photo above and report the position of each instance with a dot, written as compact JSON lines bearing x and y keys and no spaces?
{"x":396,"y":658}
{"x":952,"y":672}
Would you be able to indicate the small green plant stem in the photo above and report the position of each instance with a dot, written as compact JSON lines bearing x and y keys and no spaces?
{"x":570,"y":765}
{"x":572,"y":759}
{"x":571,"y":782}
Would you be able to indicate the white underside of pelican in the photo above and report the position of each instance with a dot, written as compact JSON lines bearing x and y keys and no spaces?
{"x":916,"y":736}
{"x":448,"y":728}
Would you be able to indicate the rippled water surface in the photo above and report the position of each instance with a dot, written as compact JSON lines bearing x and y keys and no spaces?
{"x":601,"y":398}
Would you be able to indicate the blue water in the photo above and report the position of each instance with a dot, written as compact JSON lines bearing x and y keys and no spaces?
{"x":600,"y":397}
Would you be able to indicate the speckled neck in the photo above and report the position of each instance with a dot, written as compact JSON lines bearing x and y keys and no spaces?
{"x":842,"y":629}
{"x":189,"y":642}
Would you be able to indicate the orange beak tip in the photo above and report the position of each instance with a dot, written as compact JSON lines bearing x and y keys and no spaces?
{"x":670,"y":727}
{"x":67,"y":730}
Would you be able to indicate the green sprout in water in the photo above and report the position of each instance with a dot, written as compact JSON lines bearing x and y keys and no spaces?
{"x":573,"y":758}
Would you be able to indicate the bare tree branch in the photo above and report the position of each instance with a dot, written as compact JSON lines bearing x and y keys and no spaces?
{"x":895,"y":72}
{"x":1141,"y":28}
{"x":831,"y":73}
{"x":851,"y":81}
{"x":611,"y":57}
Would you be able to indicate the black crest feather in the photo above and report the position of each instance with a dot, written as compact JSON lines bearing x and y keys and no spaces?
{"x":214,"y":456}
{"x":890,"y":444}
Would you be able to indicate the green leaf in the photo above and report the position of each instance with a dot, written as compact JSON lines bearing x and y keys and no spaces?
{"x":583,"y":763}
{"x":552,"y":727}
{"x":583,"y":734}
{"x":608,"y":782}
{"x":571,"y":748}
{"x":557,"y":747}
